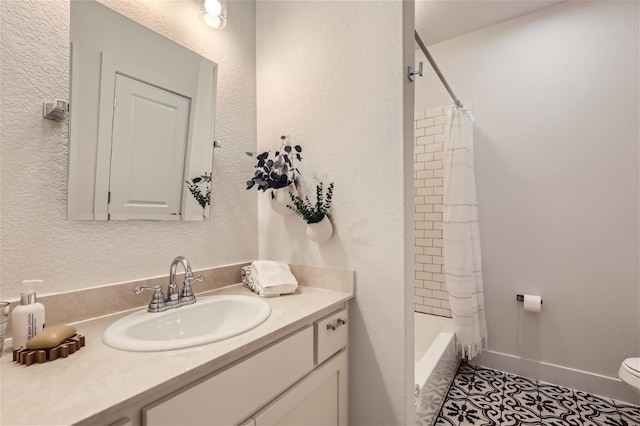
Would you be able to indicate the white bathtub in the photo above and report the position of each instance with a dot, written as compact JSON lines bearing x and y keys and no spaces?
{"x":436,"y":363}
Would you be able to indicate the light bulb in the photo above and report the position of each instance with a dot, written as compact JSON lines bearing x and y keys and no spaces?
{"x":214,"y":21}
{"x":213,"y":7}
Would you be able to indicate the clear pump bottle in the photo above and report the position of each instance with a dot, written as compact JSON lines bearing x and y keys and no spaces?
{"x":27,"y":319}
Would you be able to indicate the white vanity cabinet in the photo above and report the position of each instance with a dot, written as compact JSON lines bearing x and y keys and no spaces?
{"x":299,"y":380}
{"x":291,"y":369}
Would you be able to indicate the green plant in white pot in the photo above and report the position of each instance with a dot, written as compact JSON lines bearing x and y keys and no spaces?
{"x":316,"y":215}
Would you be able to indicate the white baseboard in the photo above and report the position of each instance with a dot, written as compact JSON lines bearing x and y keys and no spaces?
{"x":611,"y":387}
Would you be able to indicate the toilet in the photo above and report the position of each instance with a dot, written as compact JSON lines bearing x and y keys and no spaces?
{"x":630,"y":373}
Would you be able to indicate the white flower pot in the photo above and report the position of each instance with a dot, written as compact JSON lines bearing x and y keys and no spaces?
{"x":280,"y":199}
{"x":320,"y":231}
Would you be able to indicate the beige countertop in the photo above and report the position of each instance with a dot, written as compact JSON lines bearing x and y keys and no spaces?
{"x":99,"y":380}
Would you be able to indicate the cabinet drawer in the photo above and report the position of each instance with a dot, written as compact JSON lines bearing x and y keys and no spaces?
{"x":231,"y":395}
{"x":331,"y":335}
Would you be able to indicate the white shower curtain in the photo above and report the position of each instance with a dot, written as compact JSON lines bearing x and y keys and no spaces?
{"x":461,"y":236}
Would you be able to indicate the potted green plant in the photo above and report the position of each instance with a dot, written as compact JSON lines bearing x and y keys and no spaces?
{"x":315,"y":214}
{"x":277,"y":173}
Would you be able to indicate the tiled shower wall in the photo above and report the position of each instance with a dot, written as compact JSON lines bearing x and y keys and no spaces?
{"x":430,"y":291}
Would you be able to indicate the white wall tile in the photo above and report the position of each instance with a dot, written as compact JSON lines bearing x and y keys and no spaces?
{"x":429,"y":143}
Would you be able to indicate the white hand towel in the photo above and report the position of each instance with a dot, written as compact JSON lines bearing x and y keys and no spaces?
{"x":273,"y":278}
{"x":250,"y":283}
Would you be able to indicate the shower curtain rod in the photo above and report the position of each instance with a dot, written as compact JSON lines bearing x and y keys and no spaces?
{"x":424,"y":49}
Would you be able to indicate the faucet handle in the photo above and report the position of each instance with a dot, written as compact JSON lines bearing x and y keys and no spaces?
{"x":186,"y":296}
{"x":157,"y":303}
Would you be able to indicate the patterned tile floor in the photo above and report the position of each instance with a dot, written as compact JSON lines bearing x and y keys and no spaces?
{"x":479,"y":396}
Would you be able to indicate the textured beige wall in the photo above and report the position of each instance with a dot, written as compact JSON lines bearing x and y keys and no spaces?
{"x":336,"y":86}
{"x":36,"y":240}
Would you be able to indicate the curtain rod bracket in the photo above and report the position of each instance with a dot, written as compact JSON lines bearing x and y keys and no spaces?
{"x":413,"y":73}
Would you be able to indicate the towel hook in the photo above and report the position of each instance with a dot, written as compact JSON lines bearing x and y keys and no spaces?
{"x":56,"y":110}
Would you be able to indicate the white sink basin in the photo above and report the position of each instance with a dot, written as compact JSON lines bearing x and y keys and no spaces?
{"x":210,"y":319}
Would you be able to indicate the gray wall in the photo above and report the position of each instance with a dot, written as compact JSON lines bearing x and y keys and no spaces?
{"x":555,"y":96}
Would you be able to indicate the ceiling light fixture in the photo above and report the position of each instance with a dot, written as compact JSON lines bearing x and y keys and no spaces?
{"x":214,"y":13}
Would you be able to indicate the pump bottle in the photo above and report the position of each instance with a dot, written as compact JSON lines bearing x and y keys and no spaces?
{"x":27,"y":319}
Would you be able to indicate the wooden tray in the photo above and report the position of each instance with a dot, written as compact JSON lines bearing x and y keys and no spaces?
{"x":63,"y":350}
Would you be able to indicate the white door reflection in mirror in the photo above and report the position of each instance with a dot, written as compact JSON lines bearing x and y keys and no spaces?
{"x":148,"y":151}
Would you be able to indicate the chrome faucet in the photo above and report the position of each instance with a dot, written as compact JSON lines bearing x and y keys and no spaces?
{"x":174,"y":298}
{"x":186,"y":296}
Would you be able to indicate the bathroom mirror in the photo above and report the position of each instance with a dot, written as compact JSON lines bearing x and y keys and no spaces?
{"x":141,"y":122}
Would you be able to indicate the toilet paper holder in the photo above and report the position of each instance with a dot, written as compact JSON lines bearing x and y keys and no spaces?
{"x":520,"y":298}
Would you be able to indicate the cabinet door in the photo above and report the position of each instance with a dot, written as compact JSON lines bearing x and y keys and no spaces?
{"x":320,"y":399}
{"x":227,"y":397}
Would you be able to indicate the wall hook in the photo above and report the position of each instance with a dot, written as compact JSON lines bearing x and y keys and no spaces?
{"x":216,"y":143}
{"x":413,"y":73}
{"x":56,"y":110}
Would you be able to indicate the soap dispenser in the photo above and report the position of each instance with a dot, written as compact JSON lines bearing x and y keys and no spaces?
{"x":27,"y":319}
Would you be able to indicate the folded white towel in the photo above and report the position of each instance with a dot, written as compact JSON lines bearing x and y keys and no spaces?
{"x":273,"y":278}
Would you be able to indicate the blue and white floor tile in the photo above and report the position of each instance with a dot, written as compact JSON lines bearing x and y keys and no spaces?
{"x":482,"y":397}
